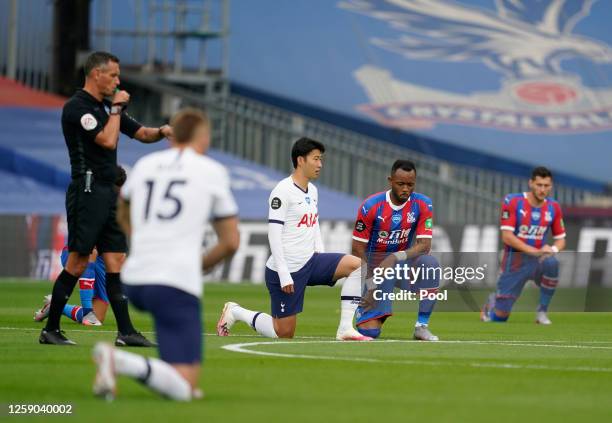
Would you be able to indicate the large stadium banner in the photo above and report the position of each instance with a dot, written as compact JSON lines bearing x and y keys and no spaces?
{"x":478,"y":74}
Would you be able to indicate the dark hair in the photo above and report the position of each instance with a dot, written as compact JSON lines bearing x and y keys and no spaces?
{"x":185,"y":123}
{"x":120,"y":177}
{"x":98,"y":58}
{"x":405,"y":165}
{"x":542,"y":172}
{"x":303,"y":147}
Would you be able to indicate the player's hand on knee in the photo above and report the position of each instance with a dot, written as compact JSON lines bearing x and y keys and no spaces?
{"x":389,"y":261}
{"x":545,"y":252}
{"x":288,"y":289}
{"x":368,"y":302}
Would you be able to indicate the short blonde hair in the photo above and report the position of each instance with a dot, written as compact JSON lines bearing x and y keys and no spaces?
{"x":185,"y":122}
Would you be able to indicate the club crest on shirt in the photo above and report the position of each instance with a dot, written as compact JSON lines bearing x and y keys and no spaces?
{"x":410,"y":217}
{"x":396,"y":218}
{"x":548,"y":216}
{"x":536,"y":215}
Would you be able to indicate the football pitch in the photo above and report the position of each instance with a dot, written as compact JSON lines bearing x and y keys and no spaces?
{"x":517,"y":371}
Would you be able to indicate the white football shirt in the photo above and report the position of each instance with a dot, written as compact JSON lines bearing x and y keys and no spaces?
{"x":296,"y":210}
{"x":173,"y":194}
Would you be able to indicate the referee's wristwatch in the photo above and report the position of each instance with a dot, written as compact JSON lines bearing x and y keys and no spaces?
{"x":117,"y":108}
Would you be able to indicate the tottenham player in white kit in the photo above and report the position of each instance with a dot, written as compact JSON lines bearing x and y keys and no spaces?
{"x":167,"y":200}
{"x":298,"y":258}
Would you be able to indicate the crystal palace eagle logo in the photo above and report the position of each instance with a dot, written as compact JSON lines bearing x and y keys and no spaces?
{"x":525,"y":42}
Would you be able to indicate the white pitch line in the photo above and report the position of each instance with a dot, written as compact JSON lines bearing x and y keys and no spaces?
{"x":148,"y":332}
{"x":534,"y":343}
{"x":245,"y":348}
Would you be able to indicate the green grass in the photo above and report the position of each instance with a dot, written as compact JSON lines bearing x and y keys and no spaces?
{"x":558,"y":373}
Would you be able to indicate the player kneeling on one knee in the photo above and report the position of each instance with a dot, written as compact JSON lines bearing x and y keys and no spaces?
{"x":396,"y":227}
{"x":298,"y":259}
{"x":163,"y":273}
{"x":526,"y":219}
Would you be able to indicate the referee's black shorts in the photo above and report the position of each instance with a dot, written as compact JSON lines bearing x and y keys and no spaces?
{"x":92,"y":219}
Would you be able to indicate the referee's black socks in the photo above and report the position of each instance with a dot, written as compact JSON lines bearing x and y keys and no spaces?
{"x":62,"y":289}
{"x":119,"y":304}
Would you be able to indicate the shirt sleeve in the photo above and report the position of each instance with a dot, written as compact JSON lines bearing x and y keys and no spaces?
{"x":558,"y":226}
{"x":277,"y":206}
{"x":129,"y":125}
{"x":224,"y":204}
{"x":425,"y":224}
{"x":80,"y":115}
{"x":363,"y":223}
{"x":508,"y":215}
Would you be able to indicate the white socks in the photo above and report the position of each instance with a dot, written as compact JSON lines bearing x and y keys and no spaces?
{"x":263,"y":322}
{"x":349,"y":300}
{"x":156,"y":374}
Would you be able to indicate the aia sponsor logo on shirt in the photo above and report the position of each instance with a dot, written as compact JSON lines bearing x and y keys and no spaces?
{"x":308,"y":220}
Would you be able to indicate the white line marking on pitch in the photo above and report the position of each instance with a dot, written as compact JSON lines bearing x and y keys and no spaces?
{"x":149,"y":332}
{"x":526,"y":343}
{"x":245,"y":348}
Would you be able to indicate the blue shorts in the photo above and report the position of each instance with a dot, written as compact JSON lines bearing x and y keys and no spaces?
{"x":319,"y":270}
{"x":511,"y":282}
{"x":177,"y":318}
{"x":96,"y":271}
{"x":384,"y":308}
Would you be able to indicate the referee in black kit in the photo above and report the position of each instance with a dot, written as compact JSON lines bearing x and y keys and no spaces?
{"x":91,"y":126}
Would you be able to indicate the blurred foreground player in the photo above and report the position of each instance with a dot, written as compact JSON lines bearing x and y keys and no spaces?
{"x":298,"y":259}
{"x":165,"y":205}
{"x":526,"y":219}
{"x":92,"y":285}
{"x":91,"y":127}
{"x":396,"y":226}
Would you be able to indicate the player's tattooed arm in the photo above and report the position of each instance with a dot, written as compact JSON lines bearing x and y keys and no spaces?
{"x":420,"y":247}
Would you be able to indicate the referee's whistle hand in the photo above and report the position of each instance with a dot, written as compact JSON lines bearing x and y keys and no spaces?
{"x":288,"y":289}
{"x":121,"y":96}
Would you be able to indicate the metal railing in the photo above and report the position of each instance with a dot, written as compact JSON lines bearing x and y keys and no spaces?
{"x":359,"y":165}
{"x":171,"y":36}
{"x":355,"y":164}
{"x":26,"y":41}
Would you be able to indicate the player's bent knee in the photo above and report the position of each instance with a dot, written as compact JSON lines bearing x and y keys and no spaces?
{"x":286,"y":333}
{"x":500,"y":316}
{"x":349,"y":264}
{"x":550,"y":264}
{"x":372,"y":332}
{"x":284,"y":328}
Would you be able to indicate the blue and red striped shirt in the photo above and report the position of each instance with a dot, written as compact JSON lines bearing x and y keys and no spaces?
{"x":387,"y":228}
{"x":530,"y":224}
